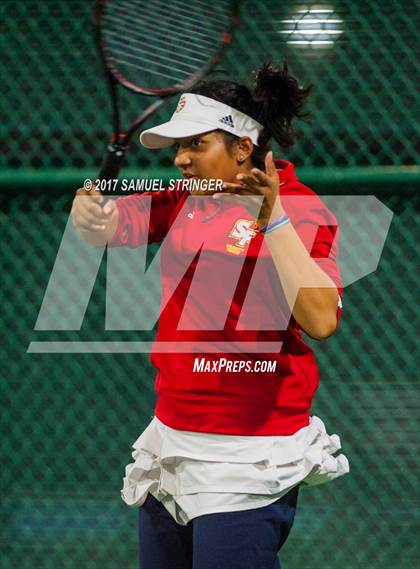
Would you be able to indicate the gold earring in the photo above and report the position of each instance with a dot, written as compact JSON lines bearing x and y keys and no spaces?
{"x":241,"y":158}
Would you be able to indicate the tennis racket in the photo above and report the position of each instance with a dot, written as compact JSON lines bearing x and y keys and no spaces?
{"x":157,"y":49}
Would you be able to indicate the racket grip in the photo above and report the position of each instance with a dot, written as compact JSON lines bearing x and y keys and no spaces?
{"x":112,"y":162}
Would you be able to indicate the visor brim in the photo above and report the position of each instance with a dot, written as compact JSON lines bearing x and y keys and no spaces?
{"x":166,"y":134}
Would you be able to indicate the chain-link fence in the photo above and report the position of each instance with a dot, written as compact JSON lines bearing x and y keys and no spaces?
{"x":360,"y":56}
{"x":68,"y":420}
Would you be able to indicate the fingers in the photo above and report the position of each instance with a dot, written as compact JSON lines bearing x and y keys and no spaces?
{"x":109,"y":207}
{"x":91,"y":209}
{"x":234,"y":188}
{"x":251,"y":182}
{"x":247,"y":184}
{"x":260,"y":176}
{"x":92,"y":194}
{"x":88,"y":224}
{"x":85,"y":219}
{"x":90,"y":213}
{"x":270,"y":170}
{"x":270,"y":166}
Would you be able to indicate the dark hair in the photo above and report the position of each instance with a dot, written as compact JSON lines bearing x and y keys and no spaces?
{"x":274,"y":100}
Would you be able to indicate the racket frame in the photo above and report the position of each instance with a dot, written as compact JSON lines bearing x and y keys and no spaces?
{"x":120,"y":140}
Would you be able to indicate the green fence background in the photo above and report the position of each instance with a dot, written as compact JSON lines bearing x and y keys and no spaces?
{"x":68,"y":421}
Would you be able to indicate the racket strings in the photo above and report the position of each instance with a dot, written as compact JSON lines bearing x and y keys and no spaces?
{"x":164,"y":23}
{"x":162,"y":44}
{"x":139,"y":54}
{"x":123,"y":62}
{"x":187,"y":14}
{"x":222,"y":7}
{"x":135,"y":54}
{"x":168,"y":22}
{"x":139,"y":48}
{"x":123,"y":24}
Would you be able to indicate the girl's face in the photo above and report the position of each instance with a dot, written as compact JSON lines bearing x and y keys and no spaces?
{"x":205,"y":156}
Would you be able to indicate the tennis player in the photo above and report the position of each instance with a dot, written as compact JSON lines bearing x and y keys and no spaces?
{"x":218,"y":470}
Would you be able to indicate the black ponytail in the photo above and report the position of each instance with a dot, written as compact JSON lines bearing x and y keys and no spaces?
{"x":278,"y":100}
{"x":274,"y":100}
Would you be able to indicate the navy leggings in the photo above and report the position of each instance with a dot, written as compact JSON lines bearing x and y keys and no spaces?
{"x":248,"y":539}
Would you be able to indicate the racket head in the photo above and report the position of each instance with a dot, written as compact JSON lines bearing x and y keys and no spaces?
{"x":160,"y":48}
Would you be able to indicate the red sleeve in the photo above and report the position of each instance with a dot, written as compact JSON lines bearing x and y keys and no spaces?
{"x":317,"y":227}
{"x":144,"y":218}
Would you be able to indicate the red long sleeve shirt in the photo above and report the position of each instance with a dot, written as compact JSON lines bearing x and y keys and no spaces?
{"x":221,"y":289}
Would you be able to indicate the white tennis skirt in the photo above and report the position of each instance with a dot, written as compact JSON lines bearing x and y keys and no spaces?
{"x":193,"y":473}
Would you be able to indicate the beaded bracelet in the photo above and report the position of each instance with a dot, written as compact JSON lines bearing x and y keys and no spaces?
{"x":276,"y":224}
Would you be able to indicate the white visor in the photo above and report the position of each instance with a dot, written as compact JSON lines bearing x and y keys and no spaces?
{"x":196,"y":114}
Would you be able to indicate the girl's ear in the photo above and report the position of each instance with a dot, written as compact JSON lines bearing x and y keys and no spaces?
{"x":244,"y":149}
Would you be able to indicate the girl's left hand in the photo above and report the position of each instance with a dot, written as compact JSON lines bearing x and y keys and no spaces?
{"x":257,"y":186}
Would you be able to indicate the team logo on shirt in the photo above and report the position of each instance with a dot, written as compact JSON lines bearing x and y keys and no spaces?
{"x":243,"y":231}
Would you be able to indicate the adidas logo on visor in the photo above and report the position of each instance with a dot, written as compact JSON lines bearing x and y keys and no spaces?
{"x":227,"y":120}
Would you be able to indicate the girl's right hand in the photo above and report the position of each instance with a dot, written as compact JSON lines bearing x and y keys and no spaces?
{"x":89,"y":212}
{"x":94,"y":217}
